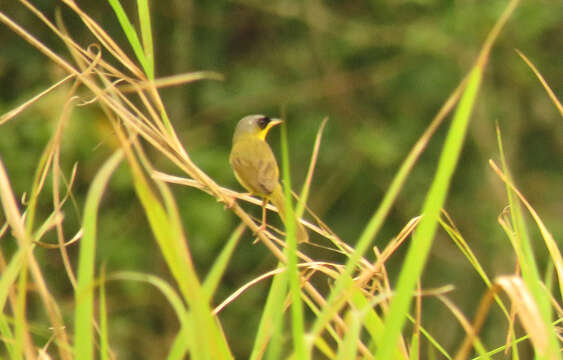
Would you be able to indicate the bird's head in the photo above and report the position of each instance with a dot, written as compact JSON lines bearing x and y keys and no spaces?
{"x":254,"y":126}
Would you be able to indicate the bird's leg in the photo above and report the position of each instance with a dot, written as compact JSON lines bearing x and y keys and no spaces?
{"x":262,"y":227}
{"x":264,"y":211}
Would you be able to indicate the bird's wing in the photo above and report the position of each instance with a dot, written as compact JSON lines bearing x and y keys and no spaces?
{"x":255,"y":166}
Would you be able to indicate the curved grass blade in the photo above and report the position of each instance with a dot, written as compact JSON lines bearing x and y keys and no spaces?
{"x":84,"y":334}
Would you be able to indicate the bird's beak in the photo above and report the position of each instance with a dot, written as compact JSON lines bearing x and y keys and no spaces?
{"x":273,"y":122}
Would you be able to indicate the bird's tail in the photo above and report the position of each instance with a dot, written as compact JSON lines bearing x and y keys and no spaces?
{"x":278,"y":199}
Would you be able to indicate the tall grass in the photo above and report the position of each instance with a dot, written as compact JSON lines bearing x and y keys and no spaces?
{"x":361,"y":314}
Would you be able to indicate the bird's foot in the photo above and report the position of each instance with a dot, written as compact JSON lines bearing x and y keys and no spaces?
{"x":259,"y":229}
{"x":228,"y":201}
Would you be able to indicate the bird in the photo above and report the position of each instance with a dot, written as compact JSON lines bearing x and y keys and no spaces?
{"x":256,"y":168}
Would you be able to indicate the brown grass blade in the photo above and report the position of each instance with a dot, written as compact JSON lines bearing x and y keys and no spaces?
{"x":543,"y":82}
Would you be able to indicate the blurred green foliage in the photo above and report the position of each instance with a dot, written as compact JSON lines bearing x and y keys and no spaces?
{"x":379,"y":71}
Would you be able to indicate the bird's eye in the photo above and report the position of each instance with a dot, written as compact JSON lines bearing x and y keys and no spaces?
{"x":263,"y":122}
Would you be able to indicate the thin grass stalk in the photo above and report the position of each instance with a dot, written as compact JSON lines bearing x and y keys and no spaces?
{"x":24,"y":240}
{"x":546,"y":234}
{"x":530,"y":273}
{"x":23,"y":343}
{"x":544,"y":83}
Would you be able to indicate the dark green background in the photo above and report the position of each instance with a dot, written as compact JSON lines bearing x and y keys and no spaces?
{"x":379,"y":70}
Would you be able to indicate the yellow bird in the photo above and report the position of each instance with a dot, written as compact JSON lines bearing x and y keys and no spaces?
{"x":256,"y":168}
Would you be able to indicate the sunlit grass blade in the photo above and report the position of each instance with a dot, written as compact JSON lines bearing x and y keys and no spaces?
{"x":103,"y":315}
{"x":270,"y":330}
{"x":502,"y":349}
{"x":550,"y":242}
{"x":193,"y":291}
{"x":83,"y":333}
{"x":9,"y":276}
{"x":218,"y":269}
{"x":164,"y":287}
{"x":146,"y":35}
{"x":164,"y":219}
{"x":348,"y":348}
{"x":16,"y":223}
{"x":415,"y":347}
{"x":20,"y":320}
{"x":131,"y":34}
{"x":370,"y":319}
{"x":7,"y":280}
{"x":319,"y":342}
{"x":376,"y":221}
{"x":8,"y":337}
{"x":433,"y":341}
{"x":473,"y":260}
{"x":181,"y":343}
{"x":526,"y":259}
{"x":293,"y":274}
{"x":424,"y":234}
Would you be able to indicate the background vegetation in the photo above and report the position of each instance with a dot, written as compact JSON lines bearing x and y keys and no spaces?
{"x":379,"y":71}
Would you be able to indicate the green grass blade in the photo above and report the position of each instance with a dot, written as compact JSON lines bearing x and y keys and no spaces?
{"x":166,"y":289}
{"x":218,"y":269}
{"x":9,"y":276}
{"x":370,"y":319}
{"x":164,"y":219}
{"x":374,"y":225}
{"x":530,"y":273}
{"x":7,"y":280}
{"x":146,"y":35}
{"x":181,"y":343}
{"x":193,"y":292}
{"x":130,"y":33}
{"x":104,"y":343}
{"x":20,"y":321}
{"x":271,"y":321}
{"x":432,"y":340}
{"x":468,"y":253}
{"x":501,"y":348}
{"x":84,"y":296}
{"x":415,"y":347}
{"x":8,"y":338}
{"x":297,"y":321}
{"x":349,"y":348}
{"x":424,"y":234}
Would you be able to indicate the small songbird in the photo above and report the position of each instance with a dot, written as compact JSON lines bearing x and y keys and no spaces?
{"x":256,"y":168}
